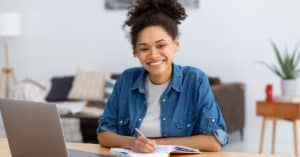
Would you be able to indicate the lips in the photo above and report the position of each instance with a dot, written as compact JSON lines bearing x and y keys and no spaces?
{"x":155,"y":63}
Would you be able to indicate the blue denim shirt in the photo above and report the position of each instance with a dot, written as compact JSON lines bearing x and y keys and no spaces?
{"x":187,"y":106}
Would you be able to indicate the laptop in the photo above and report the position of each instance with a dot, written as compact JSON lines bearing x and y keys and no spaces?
{"x":33,"y":130}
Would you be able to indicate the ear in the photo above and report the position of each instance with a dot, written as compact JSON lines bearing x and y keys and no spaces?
{"x":177,"y":43}
{"x":134,"y":53}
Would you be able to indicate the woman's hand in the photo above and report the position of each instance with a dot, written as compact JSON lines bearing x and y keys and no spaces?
{"x":142,"y":144}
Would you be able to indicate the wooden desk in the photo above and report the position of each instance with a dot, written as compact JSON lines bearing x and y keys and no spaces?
{"x":94,"y":148}
{"x":278,"y":111}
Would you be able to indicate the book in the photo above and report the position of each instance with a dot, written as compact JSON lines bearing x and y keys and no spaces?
{"x":160,"y":151}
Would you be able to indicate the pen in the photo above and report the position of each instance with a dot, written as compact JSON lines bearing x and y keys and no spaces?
{"x":139,"y":132}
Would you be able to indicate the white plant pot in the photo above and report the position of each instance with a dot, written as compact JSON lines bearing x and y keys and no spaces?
{"x":289,"y":88}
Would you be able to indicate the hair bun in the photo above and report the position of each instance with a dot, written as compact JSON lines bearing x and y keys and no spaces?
{"x":171,"y":8}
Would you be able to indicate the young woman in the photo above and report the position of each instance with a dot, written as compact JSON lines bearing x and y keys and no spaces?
{"x":169,"y":103}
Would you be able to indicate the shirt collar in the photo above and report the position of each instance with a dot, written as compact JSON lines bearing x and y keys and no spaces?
{"x":140,"y":82}
{"x":177,"y":76}
{"x":175,"y":83}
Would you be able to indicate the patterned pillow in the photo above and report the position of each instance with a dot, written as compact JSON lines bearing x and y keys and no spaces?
{"x":88,"y":85}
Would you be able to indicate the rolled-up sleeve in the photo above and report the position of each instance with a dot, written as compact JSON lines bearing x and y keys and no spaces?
{"x":210,"y":121}
{"x":108,"y":121}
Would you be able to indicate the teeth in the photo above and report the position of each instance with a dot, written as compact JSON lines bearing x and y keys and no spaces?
{"x":156,"y":63}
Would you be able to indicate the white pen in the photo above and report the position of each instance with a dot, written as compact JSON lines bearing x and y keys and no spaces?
{"x":139,"y":132}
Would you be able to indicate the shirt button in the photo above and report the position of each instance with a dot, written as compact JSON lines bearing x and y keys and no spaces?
{"x":163,"y":100}
{"x":164,"y":118}
{"x":188,"y":125}
{"x":140,"y":119}
{"x":213,"y":120}
{"x":121,"y":121}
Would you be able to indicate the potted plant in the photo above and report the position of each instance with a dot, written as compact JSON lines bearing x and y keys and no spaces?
{"x":287,"y":70}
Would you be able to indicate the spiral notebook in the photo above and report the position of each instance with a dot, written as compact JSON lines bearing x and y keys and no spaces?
{"x":160,"y":151}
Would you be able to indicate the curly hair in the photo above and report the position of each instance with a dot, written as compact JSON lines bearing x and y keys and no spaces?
{"x":143,"y":13}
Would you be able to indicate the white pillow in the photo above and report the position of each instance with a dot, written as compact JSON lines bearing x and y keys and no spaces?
{"x":31,"y":90}
{"x":88,"y":85}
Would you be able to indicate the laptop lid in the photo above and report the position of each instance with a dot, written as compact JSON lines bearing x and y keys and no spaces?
{"x":33,"y":129}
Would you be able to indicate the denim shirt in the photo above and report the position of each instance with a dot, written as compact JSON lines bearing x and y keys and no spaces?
{"x":187,"y":106}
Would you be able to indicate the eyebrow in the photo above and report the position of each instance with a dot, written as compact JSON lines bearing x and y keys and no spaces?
{"x":155,"y":42}
{"x":159,"y":40}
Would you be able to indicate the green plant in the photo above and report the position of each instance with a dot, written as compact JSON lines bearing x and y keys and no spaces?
{"x":288,"y":63}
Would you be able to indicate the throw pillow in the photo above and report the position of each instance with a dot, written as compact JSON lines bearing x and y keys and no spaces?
{"x":88,"y":85}
{"x":60,"y":88}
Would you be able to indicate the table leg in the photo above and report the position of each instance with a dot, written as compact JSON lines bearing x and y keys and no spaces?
{"x":273,"y":136}
{"x":1,"y":79}
{"x":262,"y":133}
{"x":295,"y":137}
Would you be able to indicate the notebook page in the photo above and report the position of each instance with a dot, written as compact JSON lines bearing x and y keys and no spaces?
{"x":160,"y":151}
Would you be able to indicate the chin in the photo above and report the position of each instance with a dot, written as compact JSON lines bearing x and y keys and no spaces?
{"x":157,"y":71}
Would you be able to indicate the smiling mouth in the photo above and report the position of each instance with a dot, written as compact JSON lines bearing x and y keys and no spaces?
{"x":156,"y":63}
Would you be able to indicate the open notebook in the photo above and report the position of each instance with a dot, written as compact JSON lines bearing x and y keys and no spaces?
{"x":160,"y":151}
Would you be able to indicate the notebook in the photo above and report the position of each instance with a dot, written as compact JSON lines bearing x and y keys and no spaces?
{"x":160,"y":151}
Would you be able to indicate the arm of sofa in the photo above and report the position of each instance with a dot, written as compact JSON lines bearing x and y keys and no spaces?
{"x":231,"y":99}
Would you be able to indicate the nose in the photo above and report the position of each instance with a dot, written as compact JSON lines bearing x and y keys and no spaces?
{"x":154,"y":52}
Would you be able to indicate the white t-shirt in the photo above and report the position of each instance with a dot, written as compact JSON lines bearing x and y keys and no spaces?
{"x":151,"y":123}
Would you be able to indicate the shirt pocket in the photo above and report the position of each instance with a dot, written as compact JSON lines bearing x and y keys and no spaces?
{"x":123,"y":125}
{"x":184,"y":127}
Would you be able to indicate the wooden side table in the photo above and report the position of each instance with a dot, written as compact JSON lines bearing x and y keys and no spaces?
{"x":274,"y":111}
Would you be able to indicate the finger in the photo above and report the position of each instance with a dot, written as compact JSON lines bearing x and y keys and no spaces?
{"x":153,"y":143}
{"x":149,"y":148}
{"x":149,"y":145}
{"x":140,"y":143}
{"x":143,"y":139}
{"x":140,"y":146}
{"x":146,"y":140}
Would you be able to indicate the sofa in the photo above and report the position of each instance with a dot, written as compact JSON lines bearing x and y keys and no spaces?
{"x":231,"y":100}
{"x":80,"y":122}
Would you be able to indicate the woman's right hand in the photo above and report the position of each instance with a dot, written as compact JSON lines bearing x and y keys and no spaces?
{"x":142,"y":144}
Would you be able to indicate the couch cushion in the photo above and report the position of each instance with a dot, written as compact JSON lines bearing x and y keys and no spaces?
{"x":88,"y":85}
{"x":60,"y":88}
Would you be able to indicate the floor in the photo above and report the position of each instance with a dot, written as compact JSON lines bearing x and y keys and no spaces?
{"x":250,"y":144}
{"x":283,"y":140}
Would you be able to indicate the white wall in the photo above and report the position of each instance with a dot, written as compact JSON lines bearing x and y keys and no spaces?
{"x":224,"y":37}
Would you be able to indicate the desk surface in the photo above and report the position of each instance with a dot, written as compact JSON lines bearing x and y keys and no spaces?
{"x":4,"y":151}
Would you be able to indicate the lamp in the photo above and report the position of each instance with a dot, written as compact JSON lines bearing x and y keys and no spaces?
{"x":10,"y":27}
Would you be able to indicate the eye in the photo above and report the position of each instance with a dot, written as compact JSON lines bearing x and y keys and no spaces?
{"x":143,"y":49}
{"x":160,"y":46}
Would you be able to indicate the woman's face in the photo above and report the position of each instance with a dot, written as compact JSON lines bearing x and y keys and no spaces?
{"x":156,"y":49}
